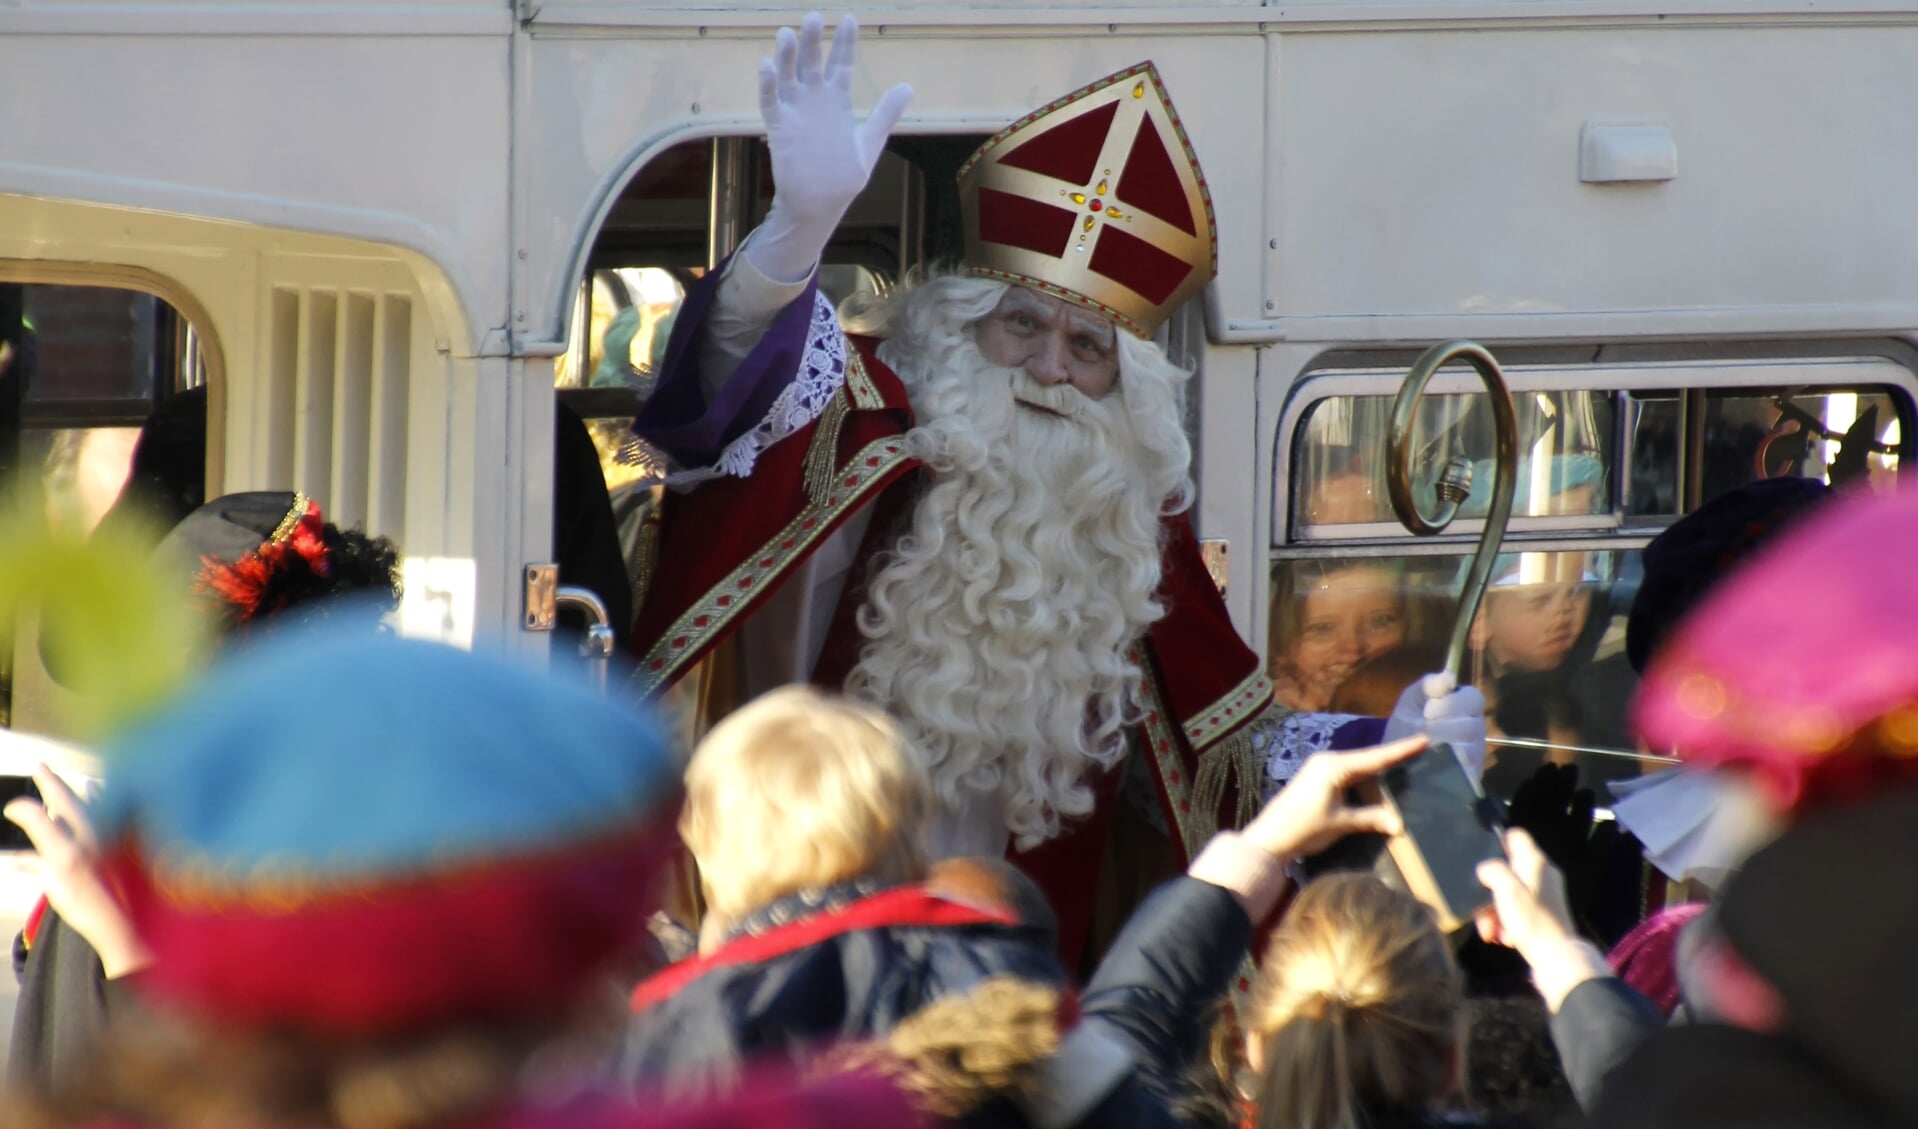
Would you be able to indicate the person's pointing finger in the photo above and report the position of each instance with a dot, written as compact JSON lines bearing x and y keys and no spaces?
{"x":1356,"y":766}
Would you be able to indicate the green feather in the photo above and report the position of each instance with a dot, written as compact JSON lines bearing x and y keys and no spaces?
{"x":125,"y":637}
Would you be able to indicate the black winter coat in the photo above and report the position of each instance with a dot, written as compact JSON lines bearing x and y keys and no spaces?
{"x":850,"y":987}
{"x":1154,"y":997}
{"x":1164,"y":979}
{"x":61,"y":1013}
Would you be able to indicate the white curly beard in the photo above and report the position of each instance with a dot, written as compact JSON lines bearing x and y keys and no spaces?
{"x":998,"y":624}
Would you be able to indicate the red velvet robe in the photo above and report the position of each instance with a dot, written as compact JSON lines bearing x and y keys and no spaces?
{"x":726,"y":545}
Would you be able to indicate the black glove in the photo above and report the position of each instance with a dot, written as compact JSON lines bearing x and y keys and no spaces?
{"x":1557,"y":813}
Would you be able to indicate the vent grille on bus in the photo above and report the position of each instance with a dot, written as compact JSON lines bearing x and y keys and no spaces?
{"x":338,"y":379}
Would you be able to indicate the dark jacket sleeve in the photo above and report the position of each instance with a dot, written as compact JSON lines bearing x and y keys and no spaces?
{"x":1161,"y":982}
{"x":62,"y":1010}
{"x":1597,"y":1027}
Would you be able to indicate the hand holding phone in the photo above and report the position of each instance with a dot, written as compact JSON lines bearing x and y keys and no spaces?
{"x":1311,"y":812}
{"x":1448,"y":827}
{"x":1529,"y":908}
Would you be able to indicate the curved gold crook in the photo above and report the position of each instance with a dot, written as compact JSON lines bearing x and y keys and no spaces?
{"x":1455,"y":483}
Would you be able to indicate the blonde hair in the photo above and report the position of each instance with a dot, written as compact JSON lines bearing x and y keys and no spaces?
{"x":800,"y":790}
{"x":1359,"y":1009}
{"x":959,"y":1052}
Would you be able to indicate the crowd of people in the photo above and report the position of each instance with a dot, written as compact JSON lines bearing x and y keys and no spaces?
{"x":432,"y":902}
{"x":988,"y":816}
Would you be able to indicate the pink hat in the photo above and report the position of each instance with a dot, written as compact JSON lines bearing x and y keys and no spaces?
{"x":1803,"y":665}
{"x":1647,"y":957}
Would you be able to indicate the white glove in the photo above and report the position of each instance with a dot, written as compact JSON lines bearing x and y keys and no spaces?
{"x":822,"y":158}
{"x":1434,"y":707}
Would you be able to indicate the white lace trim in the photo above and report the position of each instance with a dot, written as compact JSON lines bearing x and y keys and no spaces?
{"x":1285,"y":742}
{"x":822,"y":371}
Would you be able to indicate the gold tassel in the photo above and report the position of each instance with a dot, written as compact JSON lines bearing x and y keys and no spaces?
{"x":647,"y":548}
{"x":1232,"y":762}
{"x":822,"y":457}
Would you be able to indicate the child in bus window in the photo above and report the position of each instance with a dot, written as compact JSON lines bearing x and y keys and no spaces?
{"x":1532,"y":638}
{"x":1348,"y":498}
{"x":1534,"y":613}
{"x":1328,"y":616}
{"x":1373,"y":689}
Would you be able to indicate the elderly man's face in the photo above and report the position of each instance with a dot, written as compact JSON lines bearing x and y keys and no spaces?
{"x":1053,"y":340}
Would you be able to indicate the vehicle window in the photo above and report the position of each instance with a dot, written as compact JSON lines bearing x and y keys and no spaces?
{"x":1829,"y":434}
{"x":1565,"y":454}
{"x":841,"y":282}
{"x":1359,"y":606}
{"x":678,"y":216}
{"x":1826,"y":434}
{"x":621,"y":341}
{"x":1349,"y":634}
{"x":617,"y":345}
{"x":81,"y":369}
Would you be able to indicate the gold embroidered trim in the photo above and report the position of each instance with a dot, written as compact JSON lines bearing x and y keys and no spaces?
{"x":1163,"y":741}
{"x":291,"y":521}
{"x":865,"y":394}
{"x":646,"y":562}
{"x":723,"y":601}
{"x":1231,"y":762}
{"x":1236,"y":708}
{"x":191,"y":878}
{"x":822,"y":456}
{"x":1241,"y":993}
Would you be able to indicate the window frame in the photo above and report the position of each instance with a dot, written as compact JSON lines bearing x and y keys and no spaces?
{"x":198,"y":340}
{"x":1291,"y":540}
{"x":197,"y":359}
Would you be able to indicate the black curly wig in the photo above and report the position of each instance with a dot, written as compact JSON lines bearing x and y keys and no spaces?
{"x":280,"y":584}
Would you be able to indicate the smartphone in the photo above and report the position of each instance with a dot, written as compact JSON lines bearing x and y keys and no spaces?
{"x":11,"y":789}
{"x":1450,"y":827}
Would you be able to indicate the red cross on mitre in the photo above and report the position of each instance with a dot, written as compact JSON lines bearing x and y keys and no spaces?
{"x":1098,"y":199}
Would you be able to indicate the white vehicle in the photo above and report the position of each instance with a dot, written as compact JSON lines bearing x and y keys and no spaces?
{"x":376,"y":232}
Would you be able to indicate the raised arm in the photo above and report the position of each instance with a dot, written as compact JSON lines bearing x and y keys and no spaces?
{"x":1597,"y":1019}
{"x":741,"y":338}
{"x":1156,"y":989}
{"x":821,"y":156}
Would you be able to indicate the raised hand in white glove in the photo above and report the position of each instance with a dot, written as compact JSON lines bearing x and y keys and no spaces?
{"x":1435,"y":707}
{"x":821,"y":156}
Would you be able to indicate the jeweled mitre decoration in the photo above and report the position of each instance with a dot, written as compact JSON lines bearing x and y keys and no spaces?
{"x":1097,"y":199}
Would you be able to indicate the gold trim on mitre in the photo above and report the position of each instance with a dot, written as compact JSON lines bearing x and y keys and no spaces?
{"x":1103,"y":178}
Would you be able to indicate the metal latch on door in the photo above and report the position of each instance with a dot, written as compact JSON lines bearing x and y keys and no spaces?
{"x":545,"y":596}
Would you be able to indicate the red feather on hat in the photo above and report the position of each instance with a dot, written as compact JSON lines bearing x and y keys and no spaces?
{"x":249,"y":583}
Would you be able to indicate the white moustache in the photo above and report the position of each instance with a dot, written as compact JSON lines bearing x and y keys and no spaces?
{"x":1059,"y":399}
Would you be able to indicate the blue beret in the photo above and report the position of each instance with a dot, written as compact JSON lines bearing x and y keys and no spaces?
{"x":351,"y":756}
